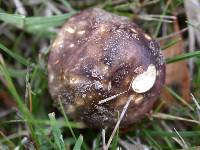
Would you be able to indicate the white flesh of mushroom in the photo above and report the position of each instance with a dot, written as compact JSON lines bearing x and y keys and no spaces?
{"x":145,"y":81}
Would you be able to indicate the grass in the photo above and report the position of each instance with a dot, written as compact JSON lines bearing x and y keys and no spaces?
{"x":24,"y":48}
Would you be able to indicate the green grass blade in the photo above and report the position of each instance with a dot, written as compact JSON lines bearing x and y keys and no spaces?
{"x":47,"y":19}
{"x":184,"y":102}
{"x":7,"y":141}
{"x":44,"y":122}
{"x":22,"y":107}
{"x":56,"y":132}
{"x":172,"y":117}
{"x":183,"y":57}
{"x":171,"y":134}
{"x":170,"y":43}
{"x":15,"y":73}
{"x":12,"y":88}
{"x":14,"y":19}
{"x":150,"y":138}
{"x":14,"y":55}
{"x":116,"y":137}
{"x":44,"y":23}
{"x":64,"y":2}
{"x":78,"y":143}
{"x":161,"y":19}
{"x":32,"y":24}
{"x":67,"y":120}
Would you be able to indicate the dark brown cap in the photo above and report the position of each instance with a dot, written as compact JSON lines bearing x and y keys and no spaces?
{"x":97,"y":62}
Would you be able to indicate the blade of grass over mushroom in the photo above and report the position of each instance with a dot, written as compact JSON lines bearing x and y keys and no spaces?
{"x":17,"y":57}
{"x":69,"y":124}
{"x":78,"y":144}
{"x":67,"y":120}
{"x":183,"y":57}
{"x":58,"y":138}
{"x":111,"y":97}
{"x":119,"y":121}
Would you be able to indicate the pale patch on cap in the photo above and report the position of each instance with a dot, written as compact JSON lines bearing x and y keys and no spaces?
{"x":79,"y":102}
{"x":71,"y":45}
{"x":69,"y":29}
{"x":59,"y":41}
{"x":145,"y":81}
{"x":70,"y":109}
{"x":138,"y":99}
{"x":109,"y":86}
{"x":74,"y":80}
{"x":147,"y":36}
{"x":133,"y":30}
{"x":51,"y":77}
{"x":102,"y":28}
{"x":81,"y":32}
{"x":56,"y":62}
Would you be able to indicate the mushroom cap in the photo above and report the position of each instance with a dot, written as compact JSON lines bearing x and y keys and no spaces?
{"x":97,"y":62}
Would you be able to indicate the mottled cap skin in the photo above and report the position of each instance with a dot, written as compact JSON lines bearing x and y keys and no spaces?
{"x":97,"y":55}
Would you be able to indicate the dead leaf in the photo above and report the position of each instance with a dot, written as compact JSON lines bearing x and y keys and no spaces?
{"x":7,"y":100}
{"x":177,"y":74}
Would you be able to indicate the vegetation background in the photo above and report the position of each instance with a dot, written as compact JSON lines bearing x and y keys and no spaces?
{"x":28,"y":119}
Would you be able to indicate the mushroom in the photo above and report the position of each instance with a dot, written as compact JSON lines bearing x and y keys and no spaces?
{"x":100,"y":60}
